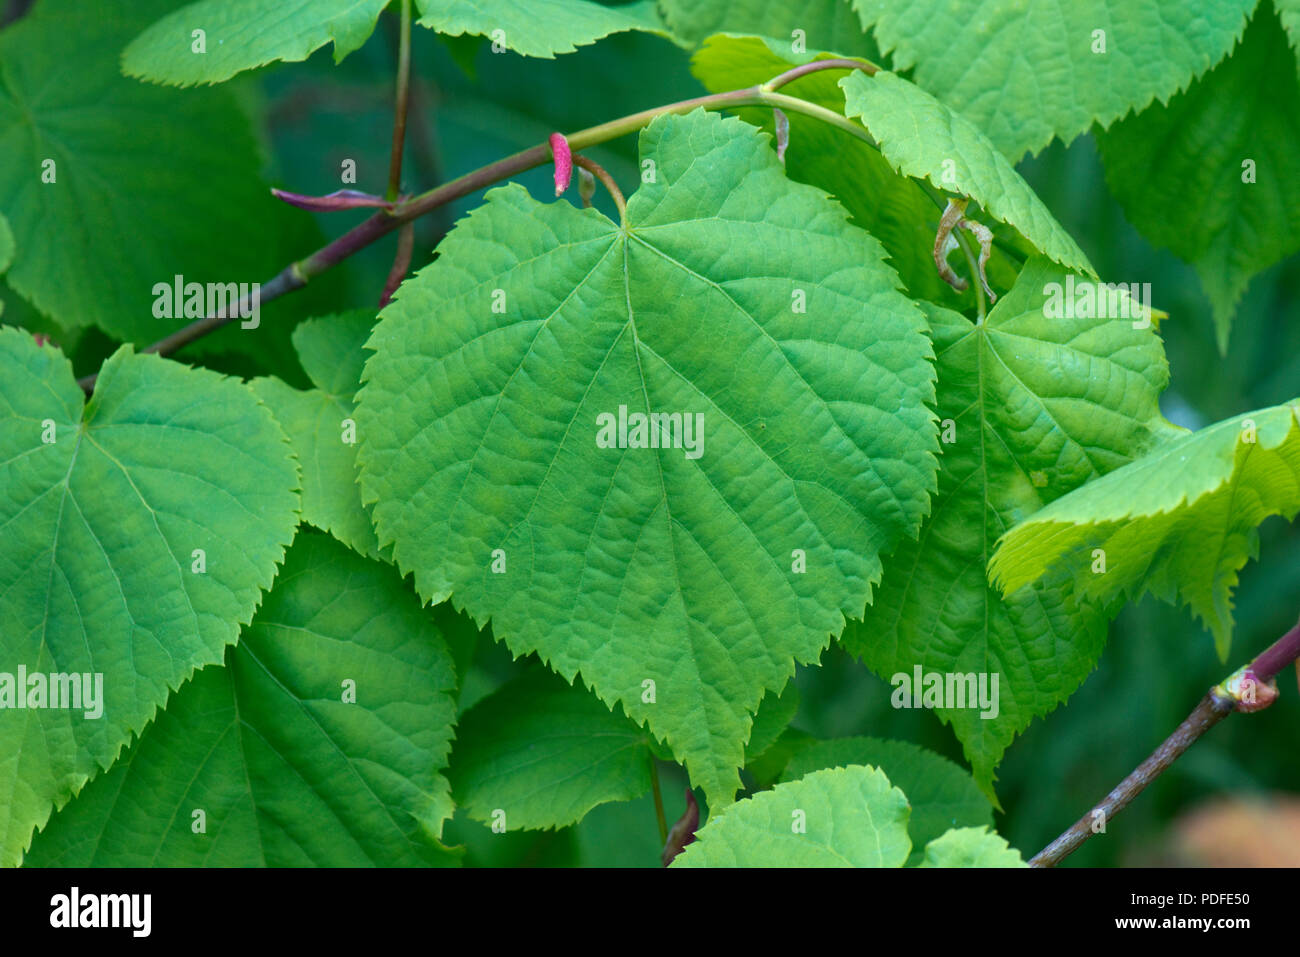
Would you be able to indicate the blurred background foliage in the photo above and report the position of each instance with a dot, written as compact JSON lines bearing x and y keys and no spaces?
{"x":471,"y":107}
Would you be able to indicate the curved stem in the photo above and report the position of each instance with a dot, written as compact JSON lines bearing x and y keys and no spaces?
{"x":789,"y":76}
{"x":601,"y":174}
{"x":1213,"y":708}
{"x":976,"y":276}
{"x":792,"y":104}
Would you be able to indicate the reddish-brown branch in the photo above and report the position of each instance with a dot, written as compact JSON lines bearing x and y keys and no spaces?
{"x":1217,"y":704}
{"x":401,"y":263}
{"x":402,"y":98}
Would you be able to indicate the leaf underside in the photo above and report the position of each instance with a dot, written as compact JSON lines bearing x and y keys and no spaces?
{"x":540,"y":28}
{"x":242,"y":35}
{"x":1180,"y":522}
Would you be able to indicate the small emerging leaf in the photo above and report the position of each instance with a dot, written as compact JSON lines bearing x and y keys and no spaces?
{"x":941,"y":794}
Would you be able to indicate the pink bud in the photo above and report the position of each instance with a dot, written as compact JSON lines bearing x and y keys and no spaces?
{"x":1250,"y":694}
{"x":563,"y":162}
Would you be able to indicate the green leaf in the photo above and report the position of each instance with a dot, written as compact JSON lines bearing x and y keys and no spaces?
{"x":1180,"y":522}
{"x":766,"y":768}
{"x":842,"y":817}
{"x":775,"y":712}
{"x":545,"y":753}
{"x":6,"y":243}
{"x":1026,"y":72}
{"x":822,"y":24}
{"x":241,"y":35}
{"x":103,"y":511}
{"x":922,"y":137}
{"x":1032,"y":406}
{"x":148,"y":183}
{"x":891,"y":207}
{"x":941,"y":794}
{"x":1215,"y":174}
{"x":319,"y":424}
{"x":971,"y":847}
{"x":287,"y":772}
{"x":670,"y":582}
{"x":540,"y":28}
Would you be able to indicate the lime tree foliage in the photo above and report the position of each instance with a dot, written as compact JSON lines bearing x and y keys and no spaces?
{"x":572,"y":514}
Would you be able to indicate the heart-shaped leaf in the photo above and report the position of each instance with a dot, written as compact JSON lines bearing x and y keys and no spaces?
{"x":506,"y":436}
